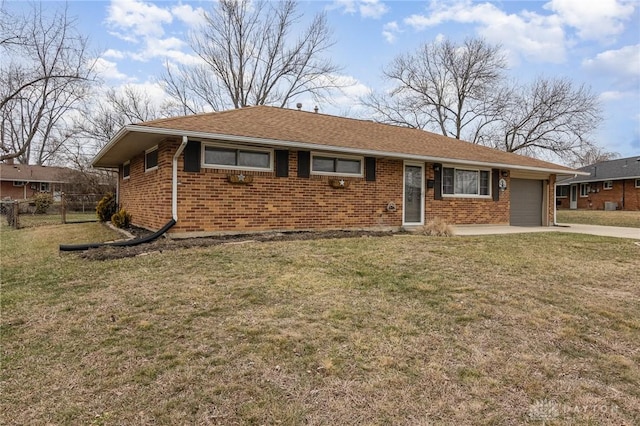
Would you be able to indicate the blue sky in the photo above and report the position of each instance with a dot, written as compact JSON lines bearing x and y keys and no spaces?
{"x":596,"y":42}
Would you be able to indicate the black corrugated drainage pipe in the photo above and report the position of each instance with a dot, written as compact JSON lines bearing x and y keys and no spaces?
{"x":128,"y":243}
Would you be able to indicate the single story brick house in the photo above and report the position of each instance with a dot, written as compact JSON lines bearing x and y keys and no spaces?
{"x":266,"y":168}
{"x":23,"y":181}
{"x":612,"y":185}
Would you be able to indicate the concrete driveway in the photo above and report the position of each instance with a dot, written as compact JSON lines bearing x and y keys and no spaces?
{"x":604,"y":231}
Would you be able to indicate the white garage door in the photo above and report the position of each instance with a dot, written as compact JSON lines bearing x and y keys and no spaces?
{"x":526,"y":202}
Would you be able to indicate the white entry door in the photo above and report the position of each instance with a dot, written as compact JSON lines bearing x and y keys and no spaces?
{"x":573,"y":200}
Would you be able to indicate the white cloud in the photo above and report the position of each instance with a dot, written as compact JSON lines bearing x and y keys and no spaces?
{"x":170,"y":48}
{"x":623,"y":63}
{"x":112,"y":53}
{"x":349,"y":97}
{"x":347,"y":6}
{"x":153,"y":91}
{"x":390,"y":31}
{"x":341,"y":101}
{"x":190,"y":16}
{"x":130,"y":19}
{"x":372,"y":9}
{"x":613,"y":95}
{"x":109,"y":70}
{"x":367,"y":8}
{"x":597,"y":20}
{"x":530,"y":35}
{"x":144,"y":24}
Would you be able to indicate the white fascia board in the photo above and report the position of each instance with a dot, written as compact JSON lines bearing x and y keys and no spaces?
{"x":114,"y":140}
{"x":320,"y":147}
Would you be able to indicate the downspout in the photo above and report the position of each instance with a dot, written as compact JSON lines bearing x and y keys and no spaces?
{"x":118,"y":187}
{"x":174,"y":183}
{"x":555,"y":201}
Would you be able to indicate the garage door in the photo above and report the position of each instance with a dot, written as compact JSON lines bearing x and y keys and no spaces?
{"x":526,"y":202}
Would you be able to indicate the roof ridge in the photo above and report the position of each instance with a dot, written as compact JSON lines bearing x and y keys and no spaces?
{"x":177,"y":117}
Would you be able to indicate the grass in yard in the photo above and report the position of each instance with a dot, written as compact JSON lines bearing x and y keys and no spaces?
{"x":392,"y":330}
{"x":600,"y":217}
{"x":28,"y":220}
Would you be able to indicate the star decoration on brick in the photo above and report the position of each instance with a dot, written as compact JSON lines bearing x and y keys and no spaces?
{"x":240,"y":177}
{"x":341,"y":182}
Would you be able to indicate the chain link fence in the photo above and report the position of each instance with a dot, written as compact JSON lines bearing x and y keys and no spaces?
{"x":65,"y":208}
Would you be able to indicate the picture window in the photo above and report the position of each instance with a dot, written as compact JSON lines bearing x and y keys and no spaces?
{"x":465,"y":182}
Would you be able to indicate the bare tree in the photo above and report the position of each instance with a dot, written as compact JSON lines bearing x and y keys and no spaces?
{"x":44,"y":74}
{"x":550,"y":116}
{"x":445,"y":87}
{"x":593,"y":156}
{"x":100,"y":121}
{"x":248,"y":58}
{"x":460,"y":91}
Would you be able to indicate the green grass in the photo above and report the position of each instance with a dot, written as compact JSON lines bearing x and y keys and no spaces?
{"x":600,"y":217}
{"x":389,"y":330}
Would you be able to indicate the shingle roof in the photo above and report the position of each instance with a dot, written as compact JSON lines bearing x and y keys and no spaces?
{"x":293,"y":126}
{"x":621,"y":168}
{"x":29,"y":173}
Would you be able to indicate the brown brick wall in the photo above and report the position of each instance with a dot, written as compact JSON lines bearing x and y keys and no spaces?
{"x":7,"y":190}
{"x":551,"y":199}
{"x":466,"y":211}
{"x":623,"y":192}
{"x":207,"y":202}
{"x":147,"y":195}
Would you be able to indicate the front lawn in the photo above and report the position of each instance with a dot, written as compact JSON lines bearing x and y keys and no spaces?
{"x":600,"y":217}
{"x":508,"y":329}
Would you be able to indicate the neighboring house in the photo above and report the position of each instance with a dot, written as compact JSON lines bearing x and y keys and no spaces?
{"x":22,"y":181}
{"x":267,"y":168}
{"x":610,"y":185}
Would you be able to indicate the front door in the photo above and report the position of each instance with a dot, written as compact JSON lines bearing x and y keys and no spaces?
{"x":413,"y":208}
{"x":573,"y":200}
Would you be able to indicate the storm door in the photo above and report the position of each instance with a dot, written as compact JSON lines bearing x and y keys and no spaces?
{"x":573,"y":194}
{"x":413,"y":206}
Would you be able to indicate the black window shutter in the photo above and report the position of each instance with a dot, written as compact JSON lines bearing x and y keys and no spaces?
{"x":304,"y":164}
{"x":437,"y":185}
{"x":370,"y":169}
{"x":282,"y":163}
{"x":495,"y":184}
{"x":192,"y":157}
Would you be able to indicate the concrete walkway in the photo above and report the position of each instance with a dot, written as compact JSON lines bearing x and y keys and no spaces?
{"x":604,"y":231}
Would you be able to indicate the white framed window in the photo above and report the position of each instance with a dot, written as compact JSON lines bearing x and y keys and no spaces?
{"x":637,"y":183}
{"x":562,"y":191}
{"x":233,"y":157}
{"x":607,"y":184}
{"x":19,"y":183}
{"x":343,"y":165}
{"x":584,"y":189}
{"x":44,"y":186}
{"x":126,"y":169}
{"x":466,"y":182}
{"x":151,"y":159}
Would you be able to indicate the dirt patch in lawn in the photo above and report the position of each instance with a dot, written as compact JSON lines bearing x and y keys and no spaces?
{"x":164,"y":244}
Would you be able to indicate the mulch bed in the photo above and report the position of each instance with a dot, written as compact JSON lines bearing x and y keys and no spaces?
{"x":163,"y":243}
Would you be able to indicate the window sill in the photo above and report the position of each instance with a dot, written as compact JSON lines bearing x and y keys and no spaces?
{"x":246,"y":169}
{"x":343,"y":175}
{"x":477,"y":197}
